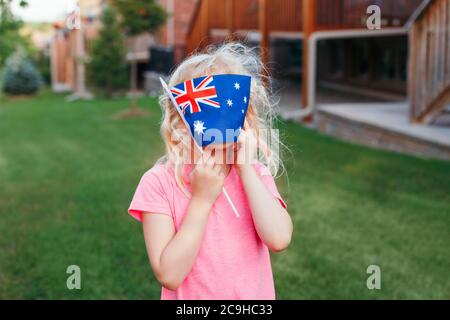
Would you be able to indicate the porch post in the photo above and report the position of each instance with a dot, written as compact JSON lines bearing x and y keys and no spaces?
{"x":229,"y":10}
{"x":204,"y":12}
{"x":264,"y":31}
{"x":309,"y":26}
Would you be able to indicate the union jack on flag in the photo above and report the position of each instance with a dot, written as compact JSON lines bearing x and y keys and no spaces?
{"x":187,"y":94}
{"x":213,"y":105}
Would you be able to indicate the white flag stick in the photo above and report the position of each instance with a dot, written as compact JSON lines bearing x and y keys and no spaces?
{"x":166,"y":88}
{"x":236,"y":213}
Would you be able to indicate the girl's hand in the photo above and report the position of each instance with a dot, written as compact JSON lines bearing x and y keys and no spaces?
{"x":246,"y":149}
{"x":207,"y":180}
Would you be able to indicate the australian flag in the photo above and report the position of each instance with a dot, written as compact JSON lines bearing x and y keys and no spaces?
{"x":214,"y":106}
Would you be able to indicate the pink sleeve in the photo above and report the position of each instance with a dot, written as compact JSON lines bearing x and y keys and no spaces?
{"x":149,"y":197}
{"x":269,"y":182}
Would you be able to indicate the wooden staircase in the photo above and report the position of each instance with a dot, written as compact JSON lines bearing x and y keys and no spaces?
{"x":429,"y":65}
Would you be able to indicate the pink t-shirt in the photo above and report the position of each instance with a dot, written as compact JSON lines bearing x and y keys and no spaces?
{"x":233,"y":262}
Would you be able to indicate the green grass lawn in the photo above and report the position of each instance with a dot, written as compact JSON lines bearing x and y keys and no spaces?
{"x":68,"y":172}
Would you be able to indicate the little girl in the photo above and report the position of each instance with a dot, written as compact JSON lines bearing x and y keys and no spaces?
{"x":197,"y":246}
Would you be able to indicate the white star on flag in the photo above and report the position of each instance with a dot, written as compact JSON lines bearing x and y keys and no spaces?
{"x":229,"y":102}
{"x":242,"y":110}
{"x":245,"y":99}
{"x":199,"y":127}
{"x":237,"y":86}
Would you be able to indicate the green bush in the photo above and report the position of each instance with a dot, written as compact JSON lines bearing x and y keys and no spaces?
{"x":20,"y":75}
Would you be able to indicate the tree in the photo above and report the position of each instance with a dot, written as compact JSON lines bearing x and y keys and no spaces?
{"x":21,"y":76}
{"x":9,"y":30}
{"x":138,"y":16}
{"x":107,"y":70}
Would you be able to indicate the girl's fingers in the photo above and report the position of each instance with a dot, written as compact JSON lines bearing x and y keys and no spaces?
{"x":207,"y":160}
{"x":242,"y":136}
{"x":210,"y":164}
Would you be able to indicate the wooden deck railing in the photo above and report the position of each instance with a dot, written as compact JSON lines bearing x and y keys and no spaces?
{"x":429,"y":65}
{"x":286,"y":15}
{"x":350,"y":14}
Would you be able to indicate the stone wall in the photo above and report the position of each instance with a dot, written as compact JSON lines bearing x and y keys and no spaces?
{"x":373,"y":136}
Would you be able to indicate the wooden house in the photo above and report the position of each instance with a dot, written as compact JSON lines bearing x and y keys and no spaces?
{"x":294,"y":22}
{"x":64,"y":44}
{"x":429,"y":65}
{"x":408,"y":57}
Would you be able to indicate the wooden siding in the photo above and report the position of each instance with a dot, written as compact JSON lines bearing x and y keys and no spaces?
{"x":287,"y":16}
{"x":429,"y":65}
